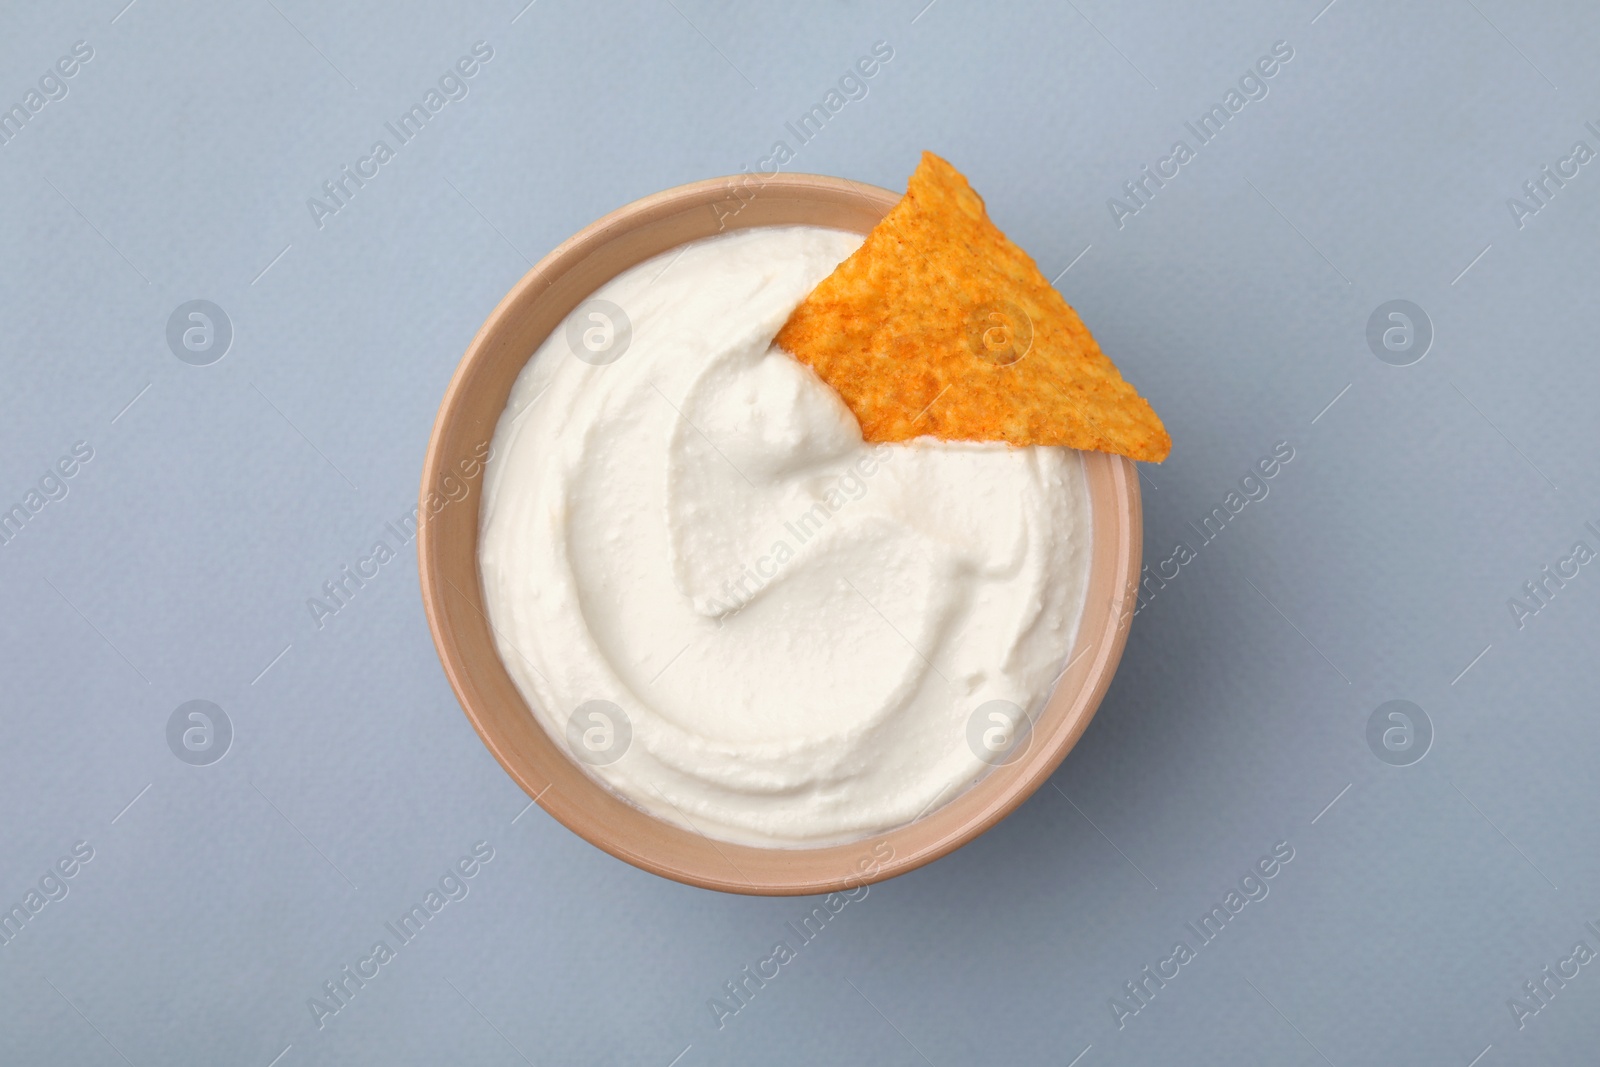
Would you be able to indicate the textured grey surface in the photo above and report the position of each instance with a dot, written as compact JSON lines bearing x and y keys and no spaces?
{"x":1379,"y":567}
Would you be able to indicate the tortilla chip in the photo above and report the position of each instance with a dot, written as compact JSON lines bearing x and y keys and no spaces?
{"x":939,"y":325}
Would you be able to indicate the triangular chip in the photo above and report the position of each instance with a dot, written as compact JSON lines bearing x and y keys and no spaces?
{"x":939,"y":325}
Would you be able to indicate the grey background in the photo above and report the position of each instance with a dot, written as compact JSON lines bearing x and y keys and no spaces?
{"x":177,"y":568}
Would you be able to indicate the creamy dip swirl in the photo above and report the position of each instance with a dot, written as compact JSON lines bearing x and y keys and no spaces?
{"x":743,"y":618}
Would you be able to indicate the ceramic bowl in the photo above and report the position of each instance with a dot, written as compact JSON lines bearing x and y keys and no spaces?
{"x":452,"y":593}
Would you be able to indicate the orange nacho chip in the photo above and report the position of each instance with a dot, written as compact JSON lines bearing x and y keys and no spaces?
{"x":939,"y":325}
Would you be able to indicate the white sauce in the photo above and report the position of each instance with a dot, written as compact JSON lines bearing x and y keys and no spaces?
{"x":798,"y":627}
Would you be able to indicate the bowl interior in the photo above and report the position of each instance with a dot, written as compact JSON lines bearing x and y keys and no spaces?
{"x":453,"y":598}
